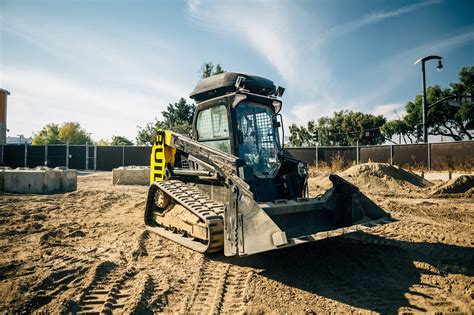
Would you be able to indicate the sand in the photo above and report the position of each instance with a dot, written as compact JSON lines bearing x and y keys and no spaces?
{"x":461,"y":186}
{"x":87,"y":251}
{"x":377,"y":178}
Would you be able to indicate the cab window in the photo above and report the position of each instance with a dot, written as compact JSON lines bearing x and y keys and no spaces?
{"x":212,"y":128}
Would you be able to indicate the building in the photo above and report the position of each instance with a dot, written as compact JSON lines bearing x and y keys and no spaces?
{"x":19,"y":140}
{"x":3,"y":116}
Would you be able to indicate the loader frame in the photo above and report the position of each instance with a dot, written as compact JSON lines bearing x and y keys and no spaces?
{"x":251,"y":227}
{"x":235,"y":182}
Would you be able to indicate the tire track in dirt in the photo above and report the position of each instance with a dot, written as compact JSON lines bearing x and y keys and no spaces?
{"x":122,"y":292}
{"x":151,"y":291}
{"x":116,"y":289}
{"x":141,"y":248}
{"x":64,"y":271}
{"x":219,"y":288}
{"x":94,"y":295}
{"x":235,"y":294}
{"x":51,"y":286}
{"x":203,"y":285}
{"x":63,"y":258}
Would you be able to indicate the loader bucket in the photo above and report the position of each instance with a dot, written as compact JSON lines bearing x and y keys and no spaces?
{"x":252,"y":227}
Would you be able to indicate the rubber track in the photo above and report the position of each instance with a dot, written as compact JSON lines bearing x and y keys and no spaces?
{"x":199,"y":204}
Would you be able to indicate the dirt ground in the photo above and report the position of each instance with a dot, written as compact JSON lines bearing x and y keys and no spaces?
{"x":87,"y":251}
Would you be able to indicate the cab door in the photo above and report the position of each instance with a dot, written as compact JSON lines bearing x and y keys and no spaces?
{"x":213,"y":128}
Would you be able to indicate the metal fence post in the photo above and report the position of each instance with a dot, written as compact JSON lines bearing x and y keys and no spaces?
{"x":357,"y":152}
{"x":46,"y":155}
{"x":123,"y":155}
{"x":67,"y":154}
{"x":26,"y":154}
{"x":391,"y":154}
{"x":95,"y":157}
{"x":316,"y":157}
{"x":429,"y":155}
{"x":87,"y":155}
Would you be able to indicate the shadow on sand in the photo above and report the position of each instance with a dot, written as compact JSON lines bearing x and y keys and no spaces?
{"x":362,"y":270}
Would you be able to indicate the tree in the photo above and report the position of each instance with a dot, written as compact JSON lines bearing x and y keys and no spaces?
{"x":68,"y":132}
{"x":73,"y":133}
{"x":208,"y":69}
{"x":299,"y":136}
{"x":398,"y":127}
{"x":120,"y":140}
{"x":102,"y":142}
{"x":177,"y":117}
{"x":456,"y":122}
{"x":218,"y":69}
{"x":49,"y":134}
{"x":363,"y":128}
{"x":343,"y":128}
{"x":146,"y":133}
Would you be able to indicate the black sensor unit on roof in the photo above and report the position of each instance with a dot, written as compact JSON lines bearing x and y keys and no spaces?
{"x":221,"y":84}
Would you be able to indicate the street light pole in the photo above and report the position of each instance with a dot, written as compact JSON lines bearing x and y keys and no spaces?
{"x":424,"y":101}
{"x":424,"y":105}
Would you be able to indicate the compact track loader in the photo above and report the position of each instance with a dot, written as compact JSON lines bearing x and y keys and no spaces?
{"x":229,"y":186}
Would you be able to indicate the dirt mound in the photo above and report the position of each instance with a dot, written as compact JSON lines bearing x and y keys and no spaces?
{"x":380,"y":178}
{"x":462,"y":185}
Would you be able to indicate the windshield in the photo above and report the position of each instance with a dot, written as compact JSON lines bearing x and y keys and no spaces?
{"x":258,"y":138}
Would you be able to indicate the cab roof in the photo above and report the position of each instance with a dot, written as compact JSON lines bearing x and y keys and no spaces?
{"x":224,"y":83}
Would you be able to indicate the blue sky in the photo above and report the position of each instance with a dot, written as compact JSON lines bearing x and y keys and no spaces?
{"x":113,"y":65}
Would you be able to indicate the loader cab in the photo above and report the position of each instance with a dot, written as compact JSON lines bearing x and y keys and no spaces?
{"x":246,"y":129}
{"x":242,"y":120}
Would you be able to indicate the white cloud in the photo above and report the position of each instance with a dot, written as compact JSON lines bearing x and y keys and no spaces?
{"x":442,"y":44}
{"x":342,"y":29}
{"x":112,"y":84}
{"x":194,"y":4}
{"x":110,"y":87}
{"x":390,"y":111}
{"x":382,"y":15}
{"x":279,"y":33}
{"x":302,"y":112}
{"x":40,"y":97}
{"x":264,"y":26}
{"x":398,"y":74}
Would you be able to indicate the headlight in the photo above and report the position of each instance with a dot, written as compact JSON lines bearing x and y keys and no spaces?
{"x":302,"y":169}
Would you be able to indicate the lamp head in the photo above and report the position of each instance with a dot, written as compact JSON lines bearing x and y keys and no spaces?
{"x":440,"y":66}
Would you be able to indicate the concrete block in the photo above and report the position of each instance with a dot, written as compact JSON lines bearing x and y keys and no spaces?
{"x":68,"y":179}
{"x":41,"y":180}
{"x":2,"y":176}
{"x":131,"y":175}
